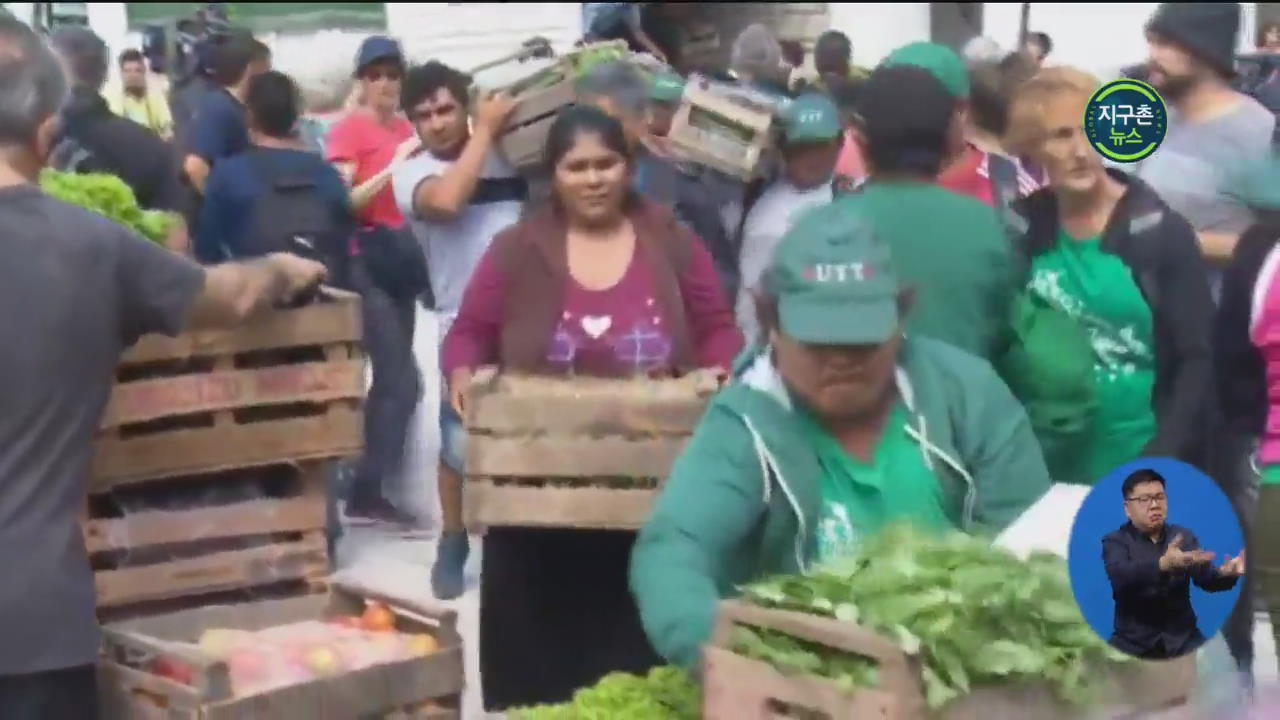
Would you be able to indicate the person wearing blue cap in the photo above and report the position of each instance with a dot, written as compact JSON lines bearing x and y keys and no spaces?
{"x":365,"y":147}
{"x":810,"y":146}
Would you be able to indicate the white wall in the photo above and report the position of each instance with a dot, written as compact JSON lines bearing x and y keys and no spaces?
{"x":1098,"y":37}
{"x":876,"y":29}
{"x":465,"y":35}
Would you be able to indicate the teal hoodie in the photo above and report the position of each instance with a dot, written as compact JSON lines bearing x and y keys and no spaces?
{"x":718,"y":524}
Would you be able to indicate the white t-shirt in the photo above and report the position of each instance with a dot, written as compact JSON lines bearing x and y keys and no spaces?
{"x":454,"y":248}
{"x":770,"y":218}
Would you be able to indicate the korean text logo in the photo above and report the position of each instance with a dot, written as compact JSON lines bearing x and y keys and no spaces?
{"x":1126,"y":120}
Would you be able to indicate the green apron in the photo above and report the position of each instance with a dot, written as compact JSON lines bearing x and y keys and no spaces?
{"x":1099,"y":291}
{"x":861,"y":498}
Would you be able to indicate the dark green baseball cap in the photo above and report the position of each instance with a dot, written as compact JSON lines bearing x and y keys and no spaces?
{"x":810,"y":118}
{"x":666,"y":87}
{"x":834,"y":281}
{"x":939,"y":60}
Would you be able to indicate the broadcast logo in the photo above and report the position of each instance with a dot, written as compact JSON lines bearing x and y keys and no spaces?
{"x":1126,"y":120}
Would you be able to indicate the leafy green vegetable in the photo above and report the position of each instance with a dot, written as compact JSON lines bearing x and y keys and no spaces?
{"x":107,"y":195}
{"x":666,"y":693}
{"x":974,"y":614}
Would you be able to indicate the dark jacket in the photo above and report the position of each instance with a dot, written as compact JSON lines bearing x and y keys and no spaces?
{"x":119,"y":147}
{"x":1161,"y":250}
{"x":1240,"y":372}
{"x":696,"y":195}
{"x":1154,"y":618}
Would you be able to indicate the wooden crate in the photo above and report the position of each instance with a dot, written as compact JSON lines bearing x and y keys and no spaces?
{"x":422,"y":688}
{"x":524,"y":137}
{"x":182,"y":539}
{"x":285,"y":386}
{"x":722,"y":132}
{"x":583,"y":452}
{"x":736,"y":687}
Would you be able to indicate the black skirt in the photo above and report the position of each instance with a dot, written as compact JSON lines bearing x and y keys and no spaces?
{"x":555,"y":614}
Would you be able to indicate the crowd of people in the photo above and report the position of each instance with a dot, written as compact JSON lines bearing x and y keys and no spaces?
{"x":935,"y":301}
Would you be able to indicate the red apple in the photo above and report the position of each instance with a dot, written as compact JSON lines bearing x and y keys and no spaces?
{"x":247,"y":666}
{"x":173,"y":670}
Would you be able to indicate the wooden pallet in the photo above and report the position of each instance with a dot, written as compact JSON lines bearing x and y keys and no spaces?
{"x":286,"y":386}
{"x":425,"y":688}
{"x":182,"y":544}
{"x":738,"y":687}
{"x":584,"y":453}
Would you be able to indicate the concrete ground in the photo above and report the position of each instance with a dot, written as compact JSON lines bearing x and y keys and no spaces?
{"x":400,"y":565}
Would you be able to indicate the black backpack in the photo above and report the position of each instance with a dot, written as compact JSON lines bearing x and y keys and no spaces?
{"x":291,"y":215}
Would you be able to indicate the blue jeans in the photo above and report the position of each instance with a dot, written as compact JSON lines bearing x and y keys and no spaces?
{"x":393,"y":396}
{"x":453,"y":433}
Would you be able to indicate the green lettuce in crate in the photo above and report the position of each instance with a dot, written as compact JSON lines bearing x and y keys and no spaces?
{"x":666,"y":693}
{"x":107,"y":195}
{"x":973,"y":613}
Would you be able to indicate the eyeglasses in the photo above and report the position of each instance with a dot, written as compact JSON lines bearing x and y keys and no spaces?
{"x":1149,"y":500}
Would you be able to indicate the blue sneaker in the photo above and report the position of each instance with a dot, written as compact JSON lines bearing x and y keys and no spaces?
{"x":447,"y":581}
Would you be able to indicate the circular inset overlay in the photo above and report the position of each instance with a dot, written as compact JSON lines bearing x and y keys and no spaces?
{"x":1156,"y":558}
{"x":1126,"y":120}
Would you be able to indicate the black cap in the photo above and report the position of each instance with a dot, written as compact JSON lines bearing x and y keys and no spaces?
{"x":378,"y":48}
{"x":1207,"y":30}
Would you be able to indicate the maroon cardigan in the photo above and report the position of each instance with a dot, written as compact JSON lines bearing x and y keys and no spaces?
{"x":514,"y":299}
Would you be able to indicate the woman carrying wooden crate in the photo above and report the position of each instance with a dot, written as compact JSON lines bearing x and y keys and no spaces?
{"x":836,"y":427}
{"x":598,"y":283}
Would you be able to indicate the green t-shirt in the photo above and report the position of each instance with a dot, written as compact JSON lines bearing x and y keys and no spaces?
{"x":1098,"y":290}
{"x":1270,"y":475}
{"x":952,"y":251}
{"x":860,"y":498}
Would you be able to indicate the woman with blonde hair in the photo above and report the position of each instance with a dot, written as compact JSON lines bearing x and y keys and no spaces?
{"x":1118,"y":276}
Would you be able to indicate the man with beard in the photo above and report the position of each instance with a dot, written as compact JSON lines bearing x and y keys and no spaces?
{"x":1151,"y":564}
{"x":1213,"y":130}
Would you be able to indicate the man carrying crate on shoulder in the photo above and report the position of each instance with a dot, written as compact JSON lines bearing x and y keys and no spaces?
{"x":78,"y":291}
{"x":458,"y":195}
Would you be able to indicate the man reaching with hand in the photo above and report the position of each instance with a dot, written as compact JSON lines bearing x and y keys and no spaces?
{"x":1151,"y":564}
{"x":77,"y":292}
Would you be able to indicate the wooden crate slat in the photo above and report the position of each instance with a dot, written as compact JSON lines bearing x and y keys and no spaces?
{"x":500,"y":414}
{"x":164,"y":527}
{"x":128,"y":694}
{"x":317,"y":324}
{"x":489,"y":505}
{"x":214,"y":572}
{"x":736,"y":687}
{"x":316,"y":382}
{"x":571,"y":456}
{"x":119,"y":461}
{"x":739,"y":687}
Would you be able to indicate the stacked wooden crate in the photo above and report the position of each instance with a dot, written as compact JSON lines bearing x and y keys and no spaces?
{"x":209,"y":468}
{"x":580,"y":453}
{"x":739,"y":687}
{"x":207,"y":510}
